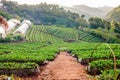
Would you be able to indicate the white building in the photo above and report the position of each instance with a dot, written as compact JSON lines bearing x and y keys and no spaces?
{"x":24,"y":27}
{"x":2,"y":32}
{"x":12,"y":23}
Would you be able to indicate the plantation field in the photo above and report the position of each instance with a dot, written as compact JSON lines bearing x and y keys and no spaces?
{"x":43,"y":43}
{"x":98,"y":58}
{"x":22,"y":56}
{"x":30,"y":55}
{"x":37,"y":34}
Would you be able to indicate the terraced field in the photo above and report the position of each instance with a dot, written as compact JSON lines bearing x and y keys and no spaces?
{"x":52,"y":34}
{"x":35,"y":35}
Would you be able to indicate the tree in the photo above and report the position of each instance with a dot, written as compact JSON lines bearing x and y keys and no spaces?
{"x":115,"y":27}
{"x":106,"y":25}
{"x":82,"y":16}
{"x":43,"y":14}
{"x":82,"y":22}
{"x":95,"y":22}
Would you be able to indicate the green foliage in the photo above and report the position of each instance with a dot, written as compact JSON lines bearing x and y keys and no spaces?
{"x":5,"y":15}
{"x":106,"y":35}
{"x":82,"y":22}
{"x":13,"y":65}
{"x":99,"y":60}
{"x":99,"y":23}
{"x":102,"y":65}
{"x":20,"y":57}
{"x":19,"y":69}
{"x":85,"y":55}
{"x":5,"y":40}
{"x":31,"y":54}
{"x":13,"y":38}
{"x":115,"y":27}
{"x":16,"y":38}
{"x":108,"y":74}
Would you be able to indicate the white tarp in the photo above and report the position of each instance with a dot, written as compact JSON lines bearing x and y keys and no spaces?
{"x":24,"y":27}
{"x":12,"y":23}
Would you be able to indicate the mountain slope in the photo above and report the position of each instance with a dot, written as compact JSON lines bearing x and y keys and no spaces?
{"x":114,"y":14}
{"x":89,"y":11}
{"x":87,"y":16}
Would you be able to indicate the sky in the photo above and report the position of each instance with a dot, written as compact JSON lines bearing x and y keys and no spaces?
{"x":69,"y":3}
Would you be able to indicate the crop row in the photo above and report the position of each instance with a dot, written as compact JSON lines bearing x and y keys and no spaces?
{"x":98,"y":57}
{"x":36,"y":34}
{"x":14,"y":55}
{"x":19,"y":68}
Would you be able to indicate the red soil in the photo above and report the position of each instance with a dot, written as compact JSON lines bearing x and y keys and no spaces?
{"x":63,"y":67}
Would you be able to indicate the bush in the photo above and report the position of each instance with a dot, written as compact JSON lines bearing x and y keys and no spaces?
{"x":17,"y":38}
{"x":19,"y":69}
{"x":5,"y":40}
{"x":108,"y":74}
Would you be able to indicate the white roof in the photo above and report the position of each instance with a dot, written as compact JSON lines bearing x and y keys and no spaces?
{"x":15,"y":21}
{"x":24,"y":27}
{"x":28,"y":22}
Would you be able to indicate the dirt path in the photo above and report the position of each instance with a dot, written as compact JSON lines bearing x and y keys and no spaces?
{"x":63,"y":67}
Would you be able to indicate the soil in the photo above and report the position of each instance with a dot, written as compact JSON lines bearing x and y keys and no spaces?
{"x":64,"y":67}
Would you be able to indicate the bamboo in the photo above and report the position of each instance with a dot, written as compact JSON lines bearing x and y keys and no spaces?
{"x":114,"y":61}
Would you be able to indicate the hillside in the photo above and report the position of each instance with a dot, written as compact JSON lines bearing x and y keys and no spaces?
{"x":87,"y":15}
{"x":43,"y":13}
{"x":90,"y":11}
{"x":57,"y":34}
{"x":114,"y":14}
{"x":70,"y":26}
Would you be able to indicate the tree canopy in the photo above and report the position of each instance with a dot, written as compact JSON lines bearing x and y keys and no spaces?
{"x":42,"y":13}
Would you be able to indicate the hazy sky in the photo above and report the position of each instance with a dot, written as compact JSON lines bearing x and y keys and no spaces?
{"x":92,"y":3}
